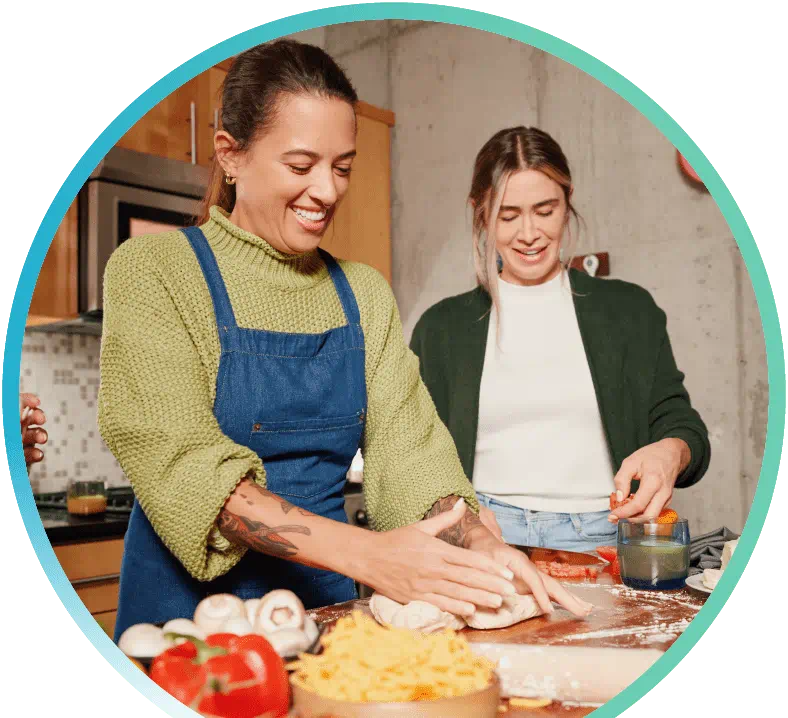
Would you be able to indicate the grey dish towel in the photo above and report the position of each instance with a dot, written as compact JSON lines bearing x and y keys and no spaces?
{"x":706,"y":550}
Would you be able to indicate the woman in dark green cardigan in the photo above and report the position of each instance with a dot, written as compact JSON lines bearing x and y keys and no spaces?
{"x":558,"y":388}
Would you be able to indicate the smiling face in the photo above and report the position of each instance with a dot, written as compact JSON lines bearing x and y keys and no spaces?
{"x":529,"y":228}
{"x":291,"y":179}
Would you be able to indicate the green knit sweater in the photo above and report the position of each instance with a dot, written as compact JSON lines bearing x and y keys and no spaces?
{"x":160,"y":357}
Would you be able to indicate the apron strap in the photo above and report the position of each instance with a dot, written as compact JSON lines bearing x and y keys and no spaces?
{"x":225,"y":318}
{"x":342,"y":286}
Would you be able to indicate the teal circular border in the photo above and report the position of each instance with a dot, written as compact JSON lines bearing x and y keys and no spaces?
{"x":398,"y":11}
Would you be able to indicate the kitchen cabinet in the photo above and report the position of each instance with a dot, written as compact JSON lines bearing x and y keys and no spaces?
{"x":360,"y":231}
{"x":94,"y":571}
{"x":181,"y":126}
{"x":55,"y":294}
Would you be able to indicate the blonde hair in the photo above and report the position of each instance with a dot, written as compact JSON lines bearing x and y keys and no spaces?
{"x":505,"y":153}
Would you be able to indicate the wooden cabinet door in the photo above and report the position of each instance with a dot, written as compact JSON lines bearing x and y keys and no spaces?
{"x":182,"y":123}
{"x":55,"y":293}
{"x":107,"y":619}
{"x":94,"y":571}
{"x":361,"y":229}
{"x":82,"y":561}
{"x":208,"y":103}
{"x":166,"y":130}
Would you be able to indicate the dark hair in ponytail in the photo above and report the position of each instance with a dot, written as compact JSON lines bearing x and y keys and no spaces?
{"x":252,"y":92}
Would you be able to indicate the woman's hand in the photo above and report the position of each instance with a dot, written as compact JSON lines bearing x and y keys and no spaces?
{"x":528,"y":579}
{"x":658,"y":466}
{"x":487,"y":517}
{"x":31,"y":418}
{"x":411,"y":564}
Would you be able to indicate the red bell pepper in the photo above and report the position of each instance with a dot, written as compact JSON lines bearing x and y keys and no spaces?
{"x":225,"y":676}
{"x":610,"y":554}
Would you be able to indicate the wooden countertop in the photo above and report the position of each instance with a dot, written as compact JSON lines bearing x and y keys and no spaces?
{"x":622,"y":618}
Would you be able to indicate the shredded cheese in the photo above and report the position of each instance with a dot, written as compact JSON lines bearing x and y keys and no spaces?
{"x":363,"y":662}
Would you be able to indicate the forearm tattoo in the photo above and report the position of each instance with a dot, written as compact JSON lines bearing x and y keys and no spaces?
{"x":457,"y":534}
{"x":252,"y":533}
{"x":247,"y":487}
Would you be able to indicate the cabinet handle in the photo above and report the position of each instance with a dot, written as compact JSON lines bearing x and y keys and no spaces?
{"x":215,"y":126}
{"x":96,"y":579}
{"x":193,"y":128}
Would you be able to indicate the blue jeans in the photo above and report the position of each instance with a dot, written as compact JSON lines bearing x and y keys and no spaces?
{"x":566,"y":532}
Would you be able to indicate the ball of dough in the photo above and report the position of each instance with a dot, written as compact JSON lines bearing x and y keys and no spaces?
{"x":424,"y":617}
{"x":416,"y":615}
{"x":515,"y":609}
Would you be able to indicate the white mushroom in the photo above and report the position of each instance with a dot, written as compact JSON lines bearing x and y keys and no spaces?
{"x":185,"y":627}
{"x":143,"y":640}
{"x":278,"y":610}
{"x":288,"y":641}
{"x":213,"y":611}
{"x":251,"y":609}
{"x":240,"y":626}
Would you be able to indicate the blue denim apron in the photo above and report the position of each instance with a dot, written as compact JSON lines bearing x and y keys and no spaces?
{"x":299,"y":402}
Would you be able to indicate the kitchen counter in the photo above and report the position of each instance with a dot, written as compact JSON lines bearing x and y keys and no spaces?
{"x":61,"y":527}
{"x":622,"y":618}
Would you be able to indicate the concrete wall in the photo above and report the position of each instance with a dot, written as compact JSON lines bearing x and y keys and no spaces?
{"x":451,"y":88}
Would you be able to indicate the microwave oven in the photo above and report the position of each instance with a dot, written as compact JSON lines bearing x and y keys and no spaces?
{"x":127,"y":195}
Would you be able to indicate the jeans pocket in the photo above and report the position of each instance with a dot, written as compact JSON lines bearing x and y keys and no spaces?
{"x":594,"y":526}
{"x":501,"y":509}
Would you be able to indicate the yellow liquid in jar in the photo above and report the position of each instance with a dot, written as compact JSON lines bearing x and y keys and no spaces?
{"x":86,"y":505}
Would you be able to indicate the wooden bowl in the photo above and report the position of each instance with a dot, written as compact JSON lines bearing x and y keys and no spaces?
{"x":480,"y":704}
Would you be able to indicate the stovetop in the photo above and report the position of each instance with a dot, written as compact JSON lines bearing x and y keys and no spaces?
{"x":119,"y":500}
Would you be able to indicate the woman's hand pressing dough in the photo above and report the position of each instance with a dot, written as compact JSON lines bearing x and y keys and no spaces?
{"x":424,"y":617}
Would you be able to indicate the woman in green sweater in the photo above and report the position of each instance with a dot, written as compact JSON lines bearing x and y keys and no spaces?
{"x":242,"y":367}
{"x":559,"y":389}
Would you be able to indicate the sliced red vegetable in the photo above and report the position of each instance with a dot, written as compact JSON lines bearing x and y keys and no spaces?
{"x":608,"y":553}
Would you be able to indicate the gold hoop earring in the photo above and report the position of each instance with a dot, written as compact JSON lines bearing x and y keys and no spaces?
{"x":228,"y":179}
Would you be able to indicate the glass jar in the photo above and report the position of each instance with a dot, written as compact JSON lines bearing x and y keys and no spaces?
{"x":85,"y":498}
{"x":652,"y":555}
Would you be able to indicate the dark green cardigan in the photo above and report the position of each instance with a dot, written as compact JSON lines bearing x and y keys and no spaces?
{"x":639,"y":389}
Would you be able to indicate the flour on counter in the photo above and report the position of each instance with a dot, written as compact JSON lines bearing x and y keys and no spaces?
{"x":662,"y":630}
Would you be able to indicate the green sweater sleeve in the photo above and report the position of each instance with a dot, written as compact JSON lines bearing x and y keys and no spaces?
{"x":671,"y":414}
{"x":155,"y":412}
{"x":410,"y":460}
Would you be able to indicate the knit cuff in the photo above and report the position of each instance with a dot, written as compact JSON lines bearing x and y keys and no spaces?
{"x":216,"y":539}
{"x":696,"y":445}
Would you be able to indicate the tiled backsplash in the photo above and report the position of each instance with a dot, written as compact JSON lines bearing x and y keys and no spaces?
{"x":63,"y":370}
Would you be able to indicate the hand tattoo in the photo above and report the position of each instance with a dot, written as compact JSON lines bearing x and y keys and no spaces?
{"x":457,"y":534}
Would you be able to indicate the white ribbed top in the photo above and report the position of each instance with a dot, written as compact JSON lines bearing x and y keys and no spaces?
{"x":540,"y":442}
